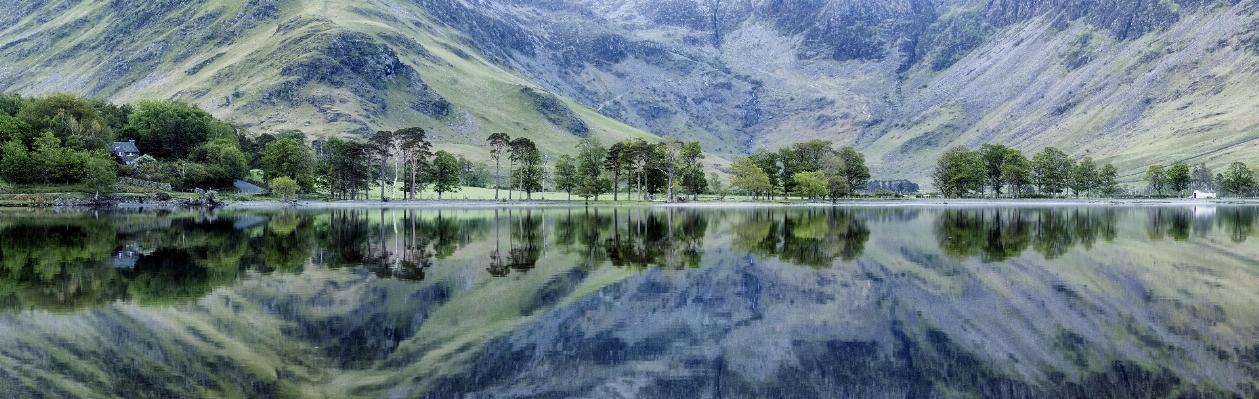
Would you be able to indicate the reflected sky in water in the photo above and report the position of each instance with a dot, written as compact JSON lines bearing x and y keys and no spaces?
{"x":1095,"y":301}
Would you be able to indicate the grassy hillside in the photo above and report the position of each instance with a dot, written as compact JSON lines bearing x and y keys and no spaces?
{"x":326,"y":68}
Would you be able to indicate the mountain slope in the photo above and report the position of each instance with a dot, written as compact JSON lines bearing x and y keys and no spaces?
{"x":323,"y":67}
{"x":1132,"y":82}
{"x":1126,"y":81}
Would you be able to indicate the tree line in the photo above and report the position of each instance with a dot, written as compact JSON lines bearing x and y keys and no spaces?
{"x":996,"y":170}
{"x":643,"y":169}
{"x":66,"y":139}
{"x":813,"y":169}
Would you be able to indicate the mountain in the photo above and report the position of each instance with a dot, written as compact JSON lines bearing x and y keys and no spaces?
{"x":1133,"y":82}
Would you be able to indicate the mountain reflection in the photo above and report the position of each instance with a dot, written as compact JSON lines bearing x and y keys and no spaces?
{"x":802,"y":302}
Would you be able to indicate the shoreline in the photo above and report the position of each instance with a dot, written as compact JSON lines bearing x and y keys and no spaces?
{"x":851,"y":203}
{"x":860,"y":203}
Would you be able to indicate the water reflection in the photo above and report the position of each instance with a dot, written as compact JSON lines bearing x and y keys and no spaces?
{"x":996,"y":235}
{"x":634,"y":301}
{"x":813,"y":237}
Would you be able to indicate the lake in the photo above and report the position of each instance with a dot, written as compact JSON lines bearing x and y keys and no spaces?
{"x":652,"y":302}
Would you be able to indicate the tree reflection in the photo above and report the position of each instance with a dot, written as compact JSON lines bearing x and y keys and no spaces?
{"x":1238,"y":222}
{"x":995,"y":235}
{"x":813,"y":237}
{"x":580,"y":233}
{"x":63,"y":264}
{"x":524,"y":241}
{"x":671,"y":237}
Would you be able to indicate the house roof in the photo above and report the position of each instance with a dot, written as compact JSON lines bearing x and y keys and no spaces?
{"x":125,"y":147}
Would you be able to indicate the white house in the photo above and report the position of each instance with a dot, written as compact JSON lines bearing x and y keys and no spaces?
{"x":1202,"y":195}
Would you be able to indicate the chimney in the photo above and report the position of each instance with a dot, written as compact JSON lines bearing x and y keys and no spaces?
{"x":132,"y":141}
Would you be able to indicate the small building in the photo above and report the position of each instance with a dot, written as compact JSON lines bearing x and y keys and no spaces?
{"x":1201,"y":195}
{"x":126,"y":152}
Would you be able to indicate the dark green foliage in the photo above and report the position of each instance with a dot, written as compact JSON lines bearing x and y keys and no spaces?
{"x":528,"y":177}
{"x":13,"y":128}
{"x":474,"y":174}
{"x":1084,"y":177}
{"x":855,"y":169}
{"x":1238,"y":180}
{"x":288,"y":157}
{"x":1106,"y":183}
{"x":566,"y":174}
{"x":1178,"y":178}
{"x":170,"y":130}
{"x":444,"y":175}
{"x":70,"y":118}
{"x":1156,"y":175}
{"x":1016,"y":172}
{"x":958,"y":172}
{"x":1051,"y":170}
{"x":994,"y":156}
{"x":11,"y":103}
{"x":591,"y":158}
{"x":343,"y":168}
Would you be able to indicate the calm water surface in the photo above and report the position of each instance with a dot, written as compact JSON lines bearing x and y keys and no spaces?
{"x":905,"y":302}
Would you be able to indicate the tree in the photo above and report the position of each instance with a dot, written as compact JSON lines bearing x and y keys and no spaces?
{"x":958,"y":172}
{"x":1050,"y":171}
{"x":1084,"y":177}
{"x":642,"y":157}
{"x":288,"y":157}
{"x":810,"y":184}
{"x":14,"y":128}
{"x":168,"y":129}
{"x":617,"y":162}
{"x":498,"y":144}
{"x":343,"y":168}
{"x":693,"y":180}
{"x":835,"y":170}
{"x":100,"y":174}
{"x":1238,"y":179}
{"x":994,"y":157}
{"x":285,"y":187}
{"x":1202,"y":178}
{"x":566,"y":175}
{"x":223,"y":160}
{"x":416,"y":150}
{"x":591,"y":158}
{"x":1156,"y":175}
{"x":529,"y":177}
{"x":855,"y":168}
{"x":381,"y":146}
{"x":1016,"y":172}
{"x":671,"y":157}
{"x":749,"y":178}
{"x":15,"y":165}
{"x":717,"y":187}
{"x":787,"y":167}
{"x":70,"y":118}
{"x":444,"y":175}
{"x":768,"y":162}
{"x":1106,"y":180}
{"x":1178,"y":178}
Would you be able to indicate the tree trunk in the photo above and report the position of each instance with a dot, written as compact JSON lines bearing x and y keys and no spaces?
{"x":498,"y":178}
